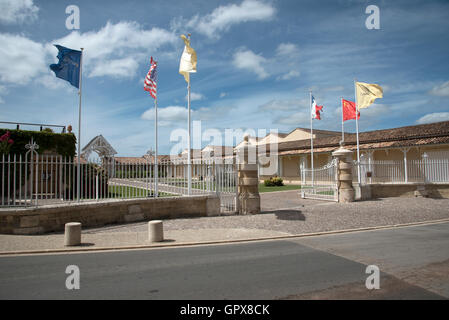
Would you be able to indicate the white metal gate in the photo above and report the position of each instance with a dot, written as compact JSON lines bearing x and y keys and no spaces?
{"x":226,"y":177}
{"x":320,"y":183}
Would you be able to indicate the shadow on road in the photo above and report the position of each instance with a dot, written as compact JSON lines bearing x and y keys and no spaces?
{"x":287,"y":214}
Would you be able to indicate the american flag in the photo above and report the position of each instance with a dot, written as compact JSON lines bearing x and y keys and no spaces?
{"x":150,"y":80}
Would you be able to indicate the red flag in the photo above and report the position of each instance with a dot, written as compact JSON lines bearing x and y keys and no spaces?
{"x":316,"y":109}
{"x":317,"y":112}
{"x":349,"y":110}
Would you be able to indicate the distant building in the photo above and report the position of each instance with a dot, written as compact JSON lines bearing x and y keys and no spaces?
{"x":404,"y":143}
{"x":290,"y":151}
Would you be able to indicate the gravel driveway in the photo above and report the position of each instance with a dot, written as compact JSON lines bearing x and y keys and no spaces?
{"x":286,"y":212}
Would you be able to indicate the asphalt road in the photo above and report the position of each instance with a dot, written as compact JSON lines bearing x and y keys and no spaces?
{"x":320,"y":267}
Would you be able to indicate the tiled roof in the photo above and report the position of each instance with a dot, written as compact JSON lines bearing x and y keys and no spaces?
{"x":433,"y":133}
{"x":131,"y":160}
{"x":160,"y":157}
{"x":330,"y":132}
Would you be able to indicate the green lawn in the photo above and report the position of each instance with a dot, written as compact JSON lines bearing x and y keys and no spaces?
{"x":263,"y":188}
{"x":131,"y":192}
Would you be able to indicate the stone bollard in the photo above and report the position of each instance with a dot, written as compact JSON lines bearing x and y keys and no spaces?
{"x":344,"y":179}
{"x":72,"y":234}
{"x":155,"y":231}
{"x":421,"y":191}
{"x":248,"y":181}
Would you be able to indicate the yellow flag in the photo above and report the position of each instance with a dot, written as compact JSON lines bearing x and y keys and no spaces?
{"x":188,"y":60}
{"x":367,"y":93}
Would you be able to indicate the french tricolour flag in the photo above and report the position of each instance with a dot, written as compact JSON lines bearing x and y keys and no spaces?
{"x":316,"y":110}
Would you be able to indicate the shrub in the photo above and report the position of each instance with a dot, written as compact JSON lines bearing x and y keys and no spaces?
{"x":277,"y":181}
{"x":274,"y":181}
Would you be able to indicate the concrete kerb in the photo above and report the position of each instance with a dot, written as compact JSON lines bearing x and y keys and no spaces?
{"x":218,"y":242}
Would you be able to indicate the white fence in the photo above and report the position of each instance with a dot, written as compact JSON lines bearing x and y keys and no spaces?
{"x":320,"y":183}
{"x":410,"y":171}
{"x":32,"y":180}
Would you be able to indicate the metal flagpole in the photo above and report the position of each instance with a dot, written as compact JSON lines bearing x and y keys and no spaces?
{"x":311,"y":137}
{"x":156,"y":171}
{"x":189,"y":174}
{"x":78,"y":175}
{"x":357,"y":131}
{"x":342,"y":122}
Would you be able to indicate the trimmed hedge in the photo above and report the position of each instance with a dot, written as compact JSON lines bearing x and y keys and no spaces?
{"x":63,"y":144}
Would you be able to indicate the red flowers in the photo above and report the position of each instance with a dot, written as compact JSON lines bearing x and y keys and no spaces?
{"x":5,"y":142}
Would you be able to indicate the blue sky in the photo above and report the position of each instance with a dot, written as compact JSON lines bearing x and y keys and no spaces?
{"x":257,"y":60}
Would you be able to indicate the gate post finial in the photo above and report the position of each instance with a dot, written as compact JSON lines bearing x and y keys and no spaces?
{"x":32,"y":146}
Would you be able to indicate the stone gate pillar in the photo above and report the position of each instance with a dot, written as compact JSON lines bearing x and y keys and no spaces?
{"x":248,"y":181}
{"x":344,"y":175}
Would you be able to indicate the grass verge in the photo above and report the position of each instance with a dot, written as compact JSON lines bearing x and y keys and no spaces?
{"x":131,"y":192}
{"x":287,"y":187}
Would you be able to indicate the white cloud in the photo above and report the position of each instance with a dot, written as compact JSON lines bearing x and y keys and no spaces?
{"x":49,"y":80}
{"x":286,"y":61}
{"x":301,"y":118}
{"x":125,"y":68}
{"x":290,"y":75}
{"x":115,"y":50}
{"x":441,"y":90}
{"x":223,"y":94}
{"x":223,"y":17}
{"x":212,"y":113}
{"x":169,"y":115}
{"x":21,"y":59}
{"x":194,"y":96}
{"x":287,"y":50}
{"x":434,"y":117}
{"x":375,"y":111}
{"x":166,"y":115}
{"x":401,"y":87}
{"x":284,"y":105}
{"x":117,"y":43}
{"x":17,"y":11}
{"x":248,"y":60}
{"x":3,"y":91}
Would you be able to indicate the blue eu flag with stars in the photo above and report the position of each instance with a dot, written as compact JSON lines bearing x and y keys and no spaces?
{"x":69,"y":65}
